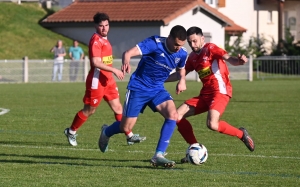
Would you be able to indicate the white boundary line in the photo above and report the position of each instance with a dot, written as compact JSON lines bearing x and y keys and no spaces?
{"x":3,"y":111}
{"x":111,"y":150}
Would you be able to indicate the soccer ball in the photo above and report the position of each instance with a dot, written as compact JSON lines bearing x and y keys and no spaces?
{"x":197,"y":154}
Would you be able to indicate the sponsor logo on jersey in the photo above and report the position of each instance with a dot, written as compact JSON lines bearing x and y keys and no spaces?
{"x":204,"y":72}
{"x":163,"y":65}
{"x":107,"y":60}
{"x":177,"y":60}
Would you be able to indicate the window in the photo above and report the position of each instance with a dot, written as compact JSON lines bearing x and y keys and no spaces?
{"x":270,"y":17}
{"x":292,"y":23}
{"x":212,"y":3}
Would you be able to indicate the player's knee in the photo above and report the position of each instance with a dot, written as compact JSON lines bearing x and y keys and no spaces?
{"x":173,"y":115}
{"x":212,"y":125}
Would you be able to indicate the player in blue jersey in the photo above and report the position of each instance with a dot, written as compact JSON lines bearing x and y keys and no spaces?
{"x":160,"y":56}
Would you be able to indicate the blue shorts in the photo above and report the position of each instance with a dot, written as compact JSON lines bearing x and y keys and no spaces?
{"x":136,"y":101}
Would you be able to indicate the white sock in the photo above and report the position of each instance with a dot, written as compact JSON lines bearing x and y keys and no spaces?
{"x":129,"y":135}
{"x":72,"y":132}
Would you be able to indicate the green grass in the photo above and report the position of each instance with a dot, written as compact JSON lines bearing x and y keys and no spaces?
{"x":35,"y":152}
{"x":21,"y":35}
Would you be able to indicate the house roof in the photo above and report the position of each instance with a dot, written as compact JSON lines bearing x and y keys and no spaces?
{"x":135,"y":10}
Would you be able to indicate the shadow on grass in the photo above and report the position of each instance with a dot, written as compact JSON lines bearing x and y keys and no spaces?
{"x":37,"y":144}
{"x":47,"y":157}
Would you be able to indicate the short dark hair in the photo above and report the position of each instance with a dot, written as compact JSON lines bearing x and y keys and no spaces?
{"x":194,"y":30}
{"x":179,"y":32}
{"x":99,"y":17}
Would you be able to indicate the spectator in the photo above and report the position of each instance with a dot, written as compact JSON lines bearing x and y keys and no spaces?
{"x":76,"y":55}
{"x":59,"y":53}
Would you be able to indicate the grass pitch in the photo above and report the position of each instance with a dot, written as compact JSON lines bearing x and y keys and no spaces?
{"x":35,"y":152}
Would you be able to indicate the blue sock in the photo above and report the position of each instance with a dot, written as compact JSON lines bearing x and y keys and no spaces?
{"x":113,"y":129}
{"x":165,"y":135}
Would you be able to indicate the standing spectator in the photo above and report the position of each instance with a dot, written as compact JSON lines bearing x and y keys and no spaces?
{"x":76,"y":55}
{"x":59,"y":54}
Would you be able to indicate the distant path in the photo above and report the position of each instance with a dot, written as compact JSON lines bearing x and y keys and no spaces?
{"x":3,"y":111}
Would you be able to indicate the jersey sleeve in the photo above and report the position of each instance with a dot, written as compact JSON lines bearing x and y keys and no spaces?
{"x":147,"y":46}
{"x":182,"y":62}
{"x":216,"y":51}
{"x":188,"y":66}
{"x":96,"y":48}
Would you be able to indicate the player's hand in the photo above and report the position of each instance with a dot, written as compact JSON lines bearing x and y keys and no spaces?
{"x":119,"y":74}
{"x":242,"y":59}
{"x":126,"y":68}
{"x":180,"y":87}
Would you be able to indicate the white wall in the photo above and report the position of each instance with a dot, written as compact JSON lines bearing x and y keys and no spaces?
{"x":254,"y":18}
{"x":200,"y":20}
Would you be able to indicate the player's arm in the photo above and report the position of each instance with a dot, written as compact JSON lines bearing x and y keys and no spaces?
{"x":135,"y":51}
{"x":181,"y":85}
{"x":235,"y":61}
{"x":176,"y":76}
{"x":97,"y":62}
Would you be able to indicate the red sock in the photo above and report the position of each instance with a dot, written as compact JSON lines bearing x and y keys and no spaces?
{"x":118,"y":117}
{"x":226,"y":128}
{"x":79,"y":119}
{"x":186,"y":131}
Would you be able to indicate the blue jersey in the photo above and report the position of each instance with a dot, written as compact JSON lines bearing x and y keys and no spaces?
{"x":156,"y":64}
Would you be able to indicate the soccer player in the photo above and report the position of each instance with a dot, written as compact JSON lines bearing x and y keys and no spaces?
{"x":100,"y":82}
{"x":208,"y":60}
{"x":160,"y":55}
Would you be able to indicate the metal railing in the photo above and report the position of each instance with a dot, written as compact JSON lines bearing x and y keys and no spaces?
{"x":41,"y":70}
{"x":277,"y":67}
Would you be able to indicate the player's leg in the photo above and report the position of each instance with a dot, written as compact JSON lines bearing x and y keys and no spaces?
{"x":190,"y":107}
{"x":217,"y":108}
{"x":135,"y":103}
{"x":112,"y":97}
{"x":166,"y":107}
{"x":91,"y":100}
{"x":184,"y":126}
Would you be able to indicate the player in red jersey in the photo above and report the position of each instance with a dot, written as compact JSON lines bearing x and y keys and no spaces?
{"x":208,"y":60}
{"x":100,"y":82}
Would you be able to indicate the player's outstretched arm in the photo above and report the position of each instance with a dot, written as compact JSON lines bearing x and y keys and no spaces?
{"x":235,"y":61}
{"x":126,"y":58}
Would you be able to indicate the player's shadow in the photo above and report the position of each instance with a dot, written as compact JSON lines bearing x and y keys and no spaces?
{"x":65,"y":160}
{"x":35,"y":143}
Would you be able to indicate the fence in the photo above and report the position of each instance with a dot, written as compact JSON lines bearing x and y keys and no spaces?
{"x":40,"y":70}
{"x":277,"y":67}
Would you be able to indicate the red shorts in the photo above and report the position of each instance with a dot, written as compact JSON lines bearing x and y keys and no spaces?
{"x":93,"y":97}
{"x":203,"y":103}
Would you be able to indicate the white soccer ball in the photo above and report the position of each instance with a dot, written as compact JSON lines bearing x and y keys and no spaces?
{"x":197,"y":154}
